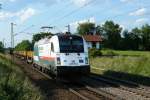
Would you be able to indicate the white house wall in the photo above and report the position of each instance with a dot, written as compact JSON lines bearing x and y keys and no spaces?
{"x":89,"y":45}
{"x":97,"y":45}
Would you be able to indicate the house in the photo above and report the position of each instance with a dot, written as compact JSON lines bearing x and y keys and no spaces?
{"x":93,"y":41}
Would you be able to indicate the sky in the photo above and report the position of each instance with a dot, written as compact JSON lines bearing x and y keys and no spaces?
{"x":30,"y":15}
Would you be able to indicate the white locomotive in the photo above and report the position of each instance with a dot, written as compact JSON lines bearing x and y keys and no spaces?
{"x":62,"y":55}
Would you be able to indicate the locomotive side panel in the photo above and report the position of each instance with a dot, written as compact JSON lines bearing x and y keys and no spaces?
{"x":44,"y":56}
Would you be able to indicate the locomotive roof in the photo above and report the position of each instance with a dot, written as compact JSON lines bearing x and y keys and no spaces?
{"x":59,"y":35}
{"x":67,"y":35}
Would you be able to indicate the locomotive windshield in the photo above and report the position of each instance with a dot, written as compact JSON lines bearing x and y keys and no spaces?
{"x":71,"y":44}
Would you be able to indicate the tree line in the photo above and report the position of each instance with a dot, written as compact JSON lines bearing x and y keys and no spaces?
{"x":115,"y":38}
{"x":27,"y":45}
{"x":1,"y":47}
{"x":112,"y":34}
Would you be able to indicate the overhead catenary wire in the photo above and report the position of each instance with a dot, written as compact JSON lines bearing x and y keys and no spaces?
{"x":42,"y":22}
{"x":72,"y":12}
{"x":58,"y":11}
{"x":76,"y":10}
{"x":126,"y":13}
{"x":22,"y":31}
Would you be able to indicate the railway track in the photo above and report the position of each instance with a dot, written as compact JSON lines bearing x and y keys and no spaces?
{"x":125,"y":86}
{"x":145,"y":88}
{"x":109,"y":89}
{"x":89,"y":93}
{"x":86,"y":92}
{"x":141,"y":87}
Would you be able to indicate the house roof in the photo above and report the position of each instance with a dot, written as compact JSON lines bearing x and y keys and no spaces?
{"x":92,"y":38}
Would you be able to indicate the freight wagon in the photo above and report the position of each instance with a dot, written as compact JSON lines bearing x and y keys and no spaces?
{"x":60,"y":55}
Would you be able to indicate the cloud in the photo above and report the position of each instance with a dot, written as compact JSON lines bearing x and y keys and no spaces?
{"x":26,"y":14}
{"x":5,"y":15}
{"x":138,"y":12}
{"x":22,"y":15}
{"x":80,"y":2}
{"x":141,"y":20}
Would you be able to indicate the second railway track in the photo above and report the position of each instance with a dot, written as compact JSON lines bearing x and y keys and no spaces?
{"x":138,"y":93}
{"x":132,"y":87}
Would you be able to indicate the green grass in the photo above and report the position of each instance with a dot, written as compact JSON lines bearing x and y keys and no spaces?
{"x":127,"y":53}
{"x":14,"y":85}
{"x":131,"y":62}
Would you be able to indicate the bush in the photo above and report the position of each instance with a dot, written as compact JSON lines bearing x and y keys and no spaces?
{"x":14,"y":85}
{"x":95,"y":52}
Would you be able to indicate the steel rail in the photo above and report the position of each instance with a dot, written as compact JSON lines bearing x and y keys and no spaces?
{"x":136,"y":91}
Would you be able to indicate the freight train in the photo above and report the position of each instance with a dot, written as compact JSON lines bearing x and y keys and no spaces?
{"x":60,"y":55}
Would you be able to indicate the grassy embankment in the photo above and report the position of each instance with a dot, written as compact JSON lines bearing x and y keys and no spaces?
{"x":131,"y":65}
{"x":14,"y":85}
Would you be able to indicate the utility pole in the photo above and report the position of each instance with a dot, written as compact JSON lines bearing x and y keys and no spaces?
{"x":68,"y":27}
{"x":4,"y":45}
{"x":12,"y":35}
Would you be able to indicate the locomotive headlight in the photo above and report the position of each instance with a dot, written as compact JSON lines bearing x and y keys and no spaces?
{"x":86,"y":60}
{"x":58,"y":61}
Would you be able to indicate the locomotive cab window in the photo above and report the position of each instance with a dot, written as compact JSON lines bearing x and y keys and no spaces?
{"x":71,"y":44}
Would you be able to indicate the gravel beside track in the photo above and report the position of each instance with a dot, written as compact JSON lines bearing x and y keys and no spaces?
{"x":124,"y":91}
{"x":126,"y":85}
{"x":89,"y":92}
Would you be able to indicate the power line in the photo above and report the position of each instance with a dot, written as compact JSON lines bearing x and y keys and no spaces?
{"x":127,"y":13}
{"x":74,"y":11}
{"x":26,"y":29}
{"x":63,"y":17}
{"x":58,"y":11}
{"x":22,"y":31}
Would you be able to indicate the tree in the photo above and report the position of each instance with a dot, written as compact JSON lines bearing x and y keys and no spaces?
{"x":99,"y":30}
{"x":24,"y":45}
{"x":131,"y":40}
{"x":145,"y":35}
{"x":1,"y":47}
{"x":112,"y":35}
{"x":86,"y":28}
{"x":40,"y":36}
